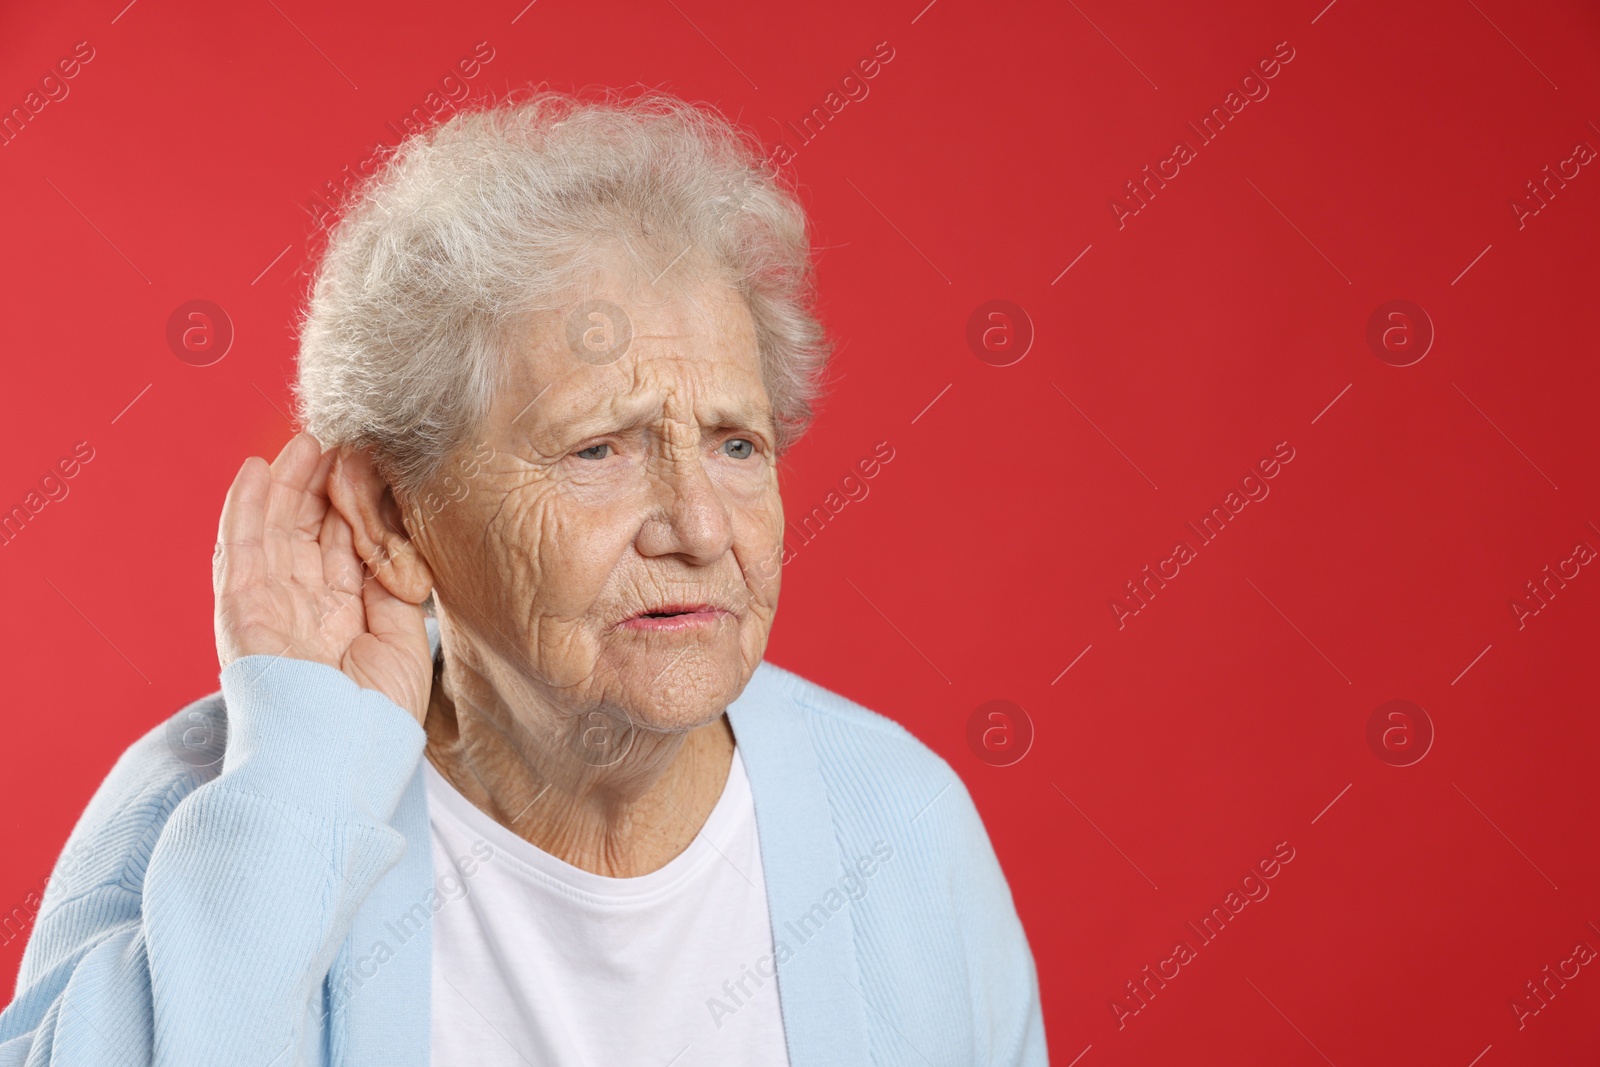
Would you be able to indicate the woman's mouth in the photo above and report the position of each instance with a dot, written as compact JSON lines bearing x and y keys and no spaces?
{"x":672,"y":617}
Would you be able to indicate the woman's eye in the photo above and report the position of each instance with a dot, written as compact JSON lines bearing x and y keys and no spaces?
{"x":739,"y":448}
{"x":594,"y":452}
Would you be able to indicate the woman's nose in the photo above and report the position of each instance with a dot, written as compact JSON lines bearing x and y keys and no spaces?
{"x":691,"y":520}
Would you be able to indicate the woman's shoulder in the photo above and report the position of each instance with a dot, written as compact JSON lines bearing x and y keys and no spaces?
{"x":833,"y":711}
{"x":111,"y":842}
{"x":860,"y":752}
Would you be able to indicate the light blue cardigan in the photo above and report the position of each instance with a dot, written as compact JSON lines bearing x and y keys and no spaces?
{"x":233,"y":893}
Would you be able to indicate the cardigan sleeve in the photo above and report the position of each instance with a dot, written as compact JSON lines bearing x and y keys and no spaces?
{"x":211,"y":947}
{"x":1009,"y":1016}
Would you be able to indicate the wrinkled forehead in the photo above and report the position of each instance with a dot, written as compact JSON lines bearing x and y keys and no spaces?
{"x":627,"y":350}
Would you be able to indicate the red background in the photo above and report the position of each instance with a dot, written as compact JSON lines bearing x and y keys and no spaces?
{"x":1222,"y":319}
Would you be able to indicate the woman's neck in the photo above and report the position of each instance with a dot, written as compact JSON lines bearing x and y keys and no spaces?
{"x":598,"y":793}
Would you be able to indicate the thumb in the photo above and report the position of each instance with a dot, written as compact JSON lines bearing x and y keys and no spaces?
{"x":393,"y":621}
{"x":392,"y":656}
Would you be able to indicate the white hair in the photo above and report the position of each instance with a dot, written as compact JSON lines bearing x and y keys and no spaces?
{"x":507,"y":209}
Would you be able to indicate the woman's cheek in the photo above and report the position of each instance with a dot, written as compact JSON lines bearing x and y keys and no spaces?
{"x":579,"y":537}
{"x":748,"y":481}
{"x":758,"y":533}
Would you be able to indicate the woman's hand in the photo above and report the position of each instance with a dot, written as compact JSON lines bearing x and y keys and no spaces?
{"x":289,"y":582}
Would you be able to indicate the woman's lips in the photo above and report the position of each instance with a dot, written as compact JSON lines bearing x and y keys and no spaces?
{"x":676,"y":617}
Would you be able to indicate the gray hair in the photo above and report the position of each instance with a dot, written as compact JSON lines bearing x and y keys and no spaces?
{"x":506,"y":209}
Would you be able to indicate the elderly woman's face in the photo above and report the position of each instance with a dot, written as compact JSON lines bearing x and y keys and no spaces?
{"x":620,"y":549}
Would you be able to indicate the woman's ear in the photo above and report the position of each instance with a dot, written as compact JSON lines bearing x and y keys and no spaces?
{"x":367,"y":503}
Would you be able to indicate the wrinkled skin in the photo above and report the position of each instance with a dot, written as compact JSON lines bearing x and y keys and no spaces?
{"x":592,"y":493}
{"x":614,"y":489}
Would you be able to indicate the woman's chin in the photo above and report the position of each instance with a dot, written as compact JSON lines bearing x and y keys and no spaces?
{"x":676,"y":693}
{"x":675,"y":681}
{"x":669,"y":709}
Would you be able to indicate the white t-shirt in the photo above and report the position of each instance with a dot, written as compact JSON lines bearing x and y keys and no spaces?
{"x":538,"y":962}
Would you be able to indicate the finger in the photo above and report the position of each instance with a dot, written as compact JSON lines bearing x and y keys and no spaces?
{"x":239,"y":531}
{"x":291,"y":472}
{"x":314,"y":501}
{"x":305,"y":538}
{"x":341,"y":565}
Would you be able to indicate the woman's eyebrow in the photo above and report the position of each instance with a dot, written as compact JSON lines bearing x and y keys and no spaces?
{"x":724,"y":415}
{"x":558,"y":415}
{"x":636,"y":411}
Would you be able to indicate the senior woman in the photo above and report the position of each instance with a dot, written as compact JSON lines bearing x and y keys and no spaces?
{"x":496,"y":773}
